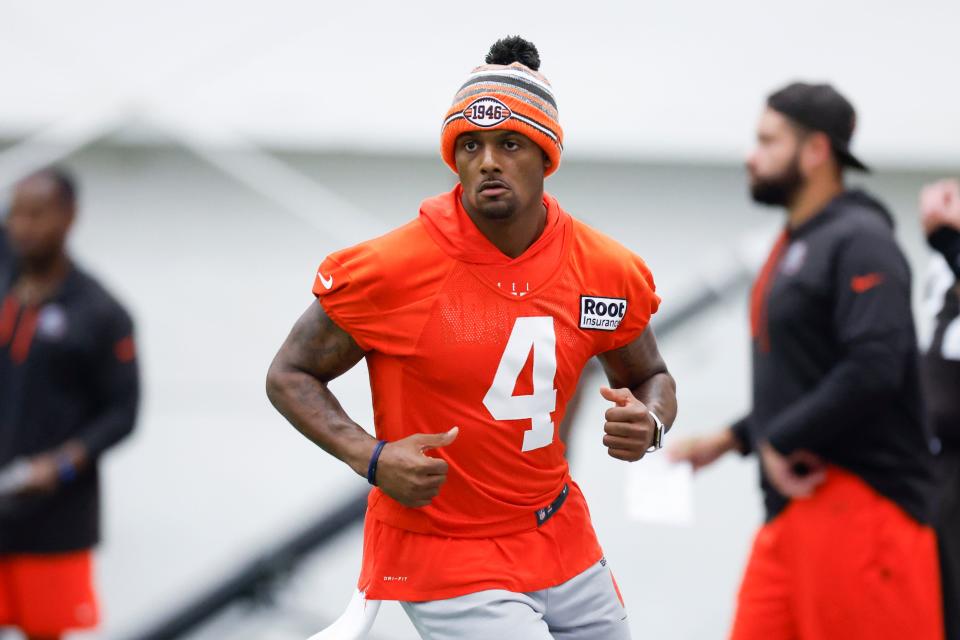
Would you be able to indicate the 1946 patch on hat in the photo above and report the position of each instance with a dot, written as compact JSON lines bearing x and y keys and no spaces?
{"x":486,"y":112}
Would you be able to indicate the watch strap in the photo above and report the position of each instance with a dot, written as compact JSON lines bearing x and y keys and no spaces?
{"x":658,"y":432}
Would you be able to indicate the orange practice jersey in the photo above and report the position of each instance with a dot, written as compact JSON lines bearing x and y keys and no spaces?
{"x":459,"y":334}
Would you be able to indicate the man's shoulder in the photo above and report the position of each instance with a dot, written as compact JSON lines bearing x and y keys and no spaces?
{"x":594,"y":250}
{"x":859,"y":214}
{"x":587,"y":237}
{"x":858,"y":221}
{"x":385,"y":268}
{"x":608,"y":271}
{"x":89,"y":293}
{"x":392,"y":251}
{"x":858,"y":235}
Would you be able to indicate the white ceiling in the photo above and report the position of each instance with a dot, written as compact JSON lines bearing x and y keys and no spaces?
{"x":673,"y":78}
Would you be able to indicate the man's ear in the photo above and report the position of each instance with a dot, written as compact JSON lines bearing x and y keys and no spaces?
{"x":818,"y":149}
{"x":546,"y":161}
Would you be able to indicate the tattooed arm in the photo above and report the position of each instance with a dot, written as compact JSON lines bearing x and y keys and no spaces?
{"x":316,"y":352}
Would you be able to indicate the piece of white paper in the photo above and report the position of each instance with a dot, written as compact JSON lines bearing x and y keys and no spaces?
{"x":14,"y":477}
{"x":660,"y":491}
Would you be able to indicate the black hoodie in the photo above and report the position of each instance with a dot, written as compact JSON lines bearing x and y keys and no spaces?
{"x":68,"y":370}
{"x":5,"y":258}
{"x":835,"y":362}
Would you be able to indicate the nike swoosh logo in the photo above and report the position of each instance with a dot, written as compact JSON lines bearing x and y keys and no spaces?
{"x":863,"y":283}
{"x":326,"y":282}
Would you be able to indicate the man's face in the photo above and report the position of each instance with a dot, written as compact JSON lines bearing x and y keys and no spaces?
{"x":774,"y":164}
{"x":501,"y":172}
{"x":39,"y":220}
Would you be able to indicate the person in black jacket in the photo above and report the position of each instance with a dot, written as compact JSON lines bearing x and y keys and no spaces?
{"x":847,"y":550}
{"x":68,"y":392}
{"x":940,"y":215}
{"x":5,"y":258}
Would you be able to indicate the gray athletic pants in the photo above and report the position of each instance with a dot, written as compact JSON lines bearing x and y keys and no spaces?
{"x":586,"y":607}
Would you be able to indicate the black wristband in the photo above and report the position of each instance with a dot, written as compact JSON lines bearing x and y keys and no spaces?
{"x":741,"y":434}
{"x":946,"y":240}
{"x":66,"y":472}
{"x":372,"y":467}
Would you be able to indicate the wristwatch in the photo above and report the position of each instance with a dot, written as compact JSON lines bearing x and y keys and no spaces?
{"x":658,"y":433}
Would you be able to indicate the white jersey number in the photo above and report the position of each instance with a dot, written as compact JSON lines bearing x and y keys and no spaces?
{"x":528,"y":333}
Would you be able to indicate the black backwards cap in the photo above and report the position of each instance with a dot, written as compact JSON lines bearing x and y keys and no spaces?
{"x":820,"y":107}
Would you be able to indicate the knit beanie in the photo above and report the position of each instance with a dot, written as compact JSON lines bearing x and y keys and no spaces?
{"x":506,"y":93}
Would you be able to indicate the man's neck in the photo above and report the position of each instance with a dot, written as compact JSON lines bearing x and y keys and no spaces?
{"x":38,"y":280}
{"x":812,"y":200}
{"x":513,"y":235}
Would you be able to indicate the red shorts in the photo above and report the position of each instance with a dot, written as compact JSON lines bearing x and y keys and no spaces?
{"x":45,"y":595}
{"x":847,"y":564}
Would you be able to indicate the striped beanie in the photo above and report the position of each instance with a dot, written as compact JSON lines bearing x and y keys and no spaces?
{"x":506,"y":93}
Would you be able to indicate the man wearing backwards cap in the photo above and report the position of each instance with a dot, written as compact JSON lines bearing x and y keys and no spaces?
{"x":847,"y":550}
{"x":476,"y":320}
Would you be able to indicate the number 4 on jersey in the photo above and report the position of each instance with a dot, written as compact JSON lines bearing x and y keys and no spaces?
{"x":528,"y":333}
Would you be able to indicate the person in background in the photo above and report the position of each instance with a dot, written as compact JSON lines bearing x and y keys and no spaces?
{"x":847,"y":550}
{"x":68,"y":392}
{"x":5,"y":257}
{"x":940,"y":216}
